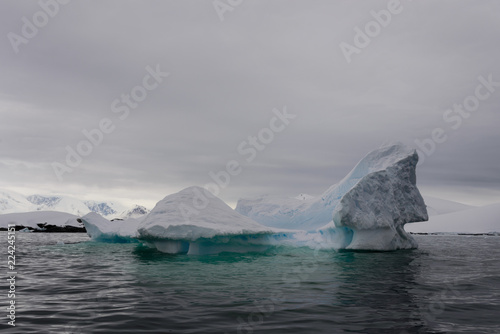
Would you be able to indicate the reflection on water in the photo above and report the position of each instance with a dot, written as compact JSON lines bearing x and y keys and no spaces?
{"x":383,"y":284}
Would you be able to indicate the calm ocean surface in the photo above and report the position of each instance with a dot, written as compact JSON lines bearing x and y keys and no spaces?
{"x":451,"y":284}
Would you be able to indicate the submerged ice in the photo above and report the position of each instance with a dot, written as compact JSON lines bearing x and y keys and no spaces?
{"x":100,"y":229}
{"x":367,"y":210}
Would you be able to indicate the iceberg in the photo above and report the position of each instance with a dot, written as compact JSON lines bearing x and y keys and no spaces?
{"x":378,"y":206}
{"x":100,"y":229}
{"x":194,"y":221}
{"x":367,"y":210}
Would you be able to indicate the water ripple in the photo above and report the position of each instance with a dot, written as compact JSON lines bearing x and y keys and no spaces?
{"x":451,"y":284}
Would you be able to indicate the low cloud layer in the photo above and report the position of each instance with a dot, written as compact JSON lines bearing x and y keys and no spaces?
{"x":86,"y":65}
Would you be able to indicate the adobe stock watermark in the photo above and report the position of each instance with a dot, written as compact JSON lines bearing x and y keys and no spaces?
{"x":293,"y":278}
{"x":119,"y":106}
{"x":90,"y":305}
{"x":455,"y":116}
{"x":373,"y":28}
{"x":248,"y":149}
{"x":31,"y":26}
{"x":223,"y":6}
{"x":436,"y":306}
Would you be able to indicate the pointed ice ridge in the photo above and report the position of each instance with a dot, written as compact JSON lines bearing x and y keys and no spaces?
{"x":369,"y":207}
{"x":378,"y":206}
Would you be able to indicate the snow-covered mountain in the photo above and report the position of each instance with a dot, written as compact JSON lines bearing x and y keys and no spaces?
{"x":105,"y":209}
{"x":12,"y":202}
{"x":43,"y":200}
{"x":447,"y":216}
{"x":58,"y":203}
{"x":136,"y":212}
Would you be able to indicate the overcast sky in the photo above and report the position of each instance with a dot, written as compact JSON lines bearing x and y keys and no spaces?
{"x":229,"y":68}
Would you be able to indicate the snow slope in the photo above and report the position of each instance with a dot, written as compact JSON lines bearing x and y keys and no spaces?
{"x":438,"y":206}
{"x":195,"y":213}
{"x":482,"y":219}
{"x":31,"y":219}
{"x":101,"y":229}
{"x":12,"y":202}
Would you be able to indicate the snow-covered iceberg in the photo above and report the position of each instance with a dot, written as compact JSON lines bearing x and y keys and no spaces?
{"x":100,"y":229}
{"x":367,"y":210}
{"x":194,"y":221}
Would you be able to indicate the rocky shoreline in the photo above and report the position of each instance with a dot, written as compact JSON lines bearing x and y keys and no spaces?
{"x":48,"y":228}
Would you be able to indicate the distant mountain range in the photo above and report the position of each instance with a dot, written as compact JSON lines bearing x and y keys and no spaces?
{"x":12,"y":202}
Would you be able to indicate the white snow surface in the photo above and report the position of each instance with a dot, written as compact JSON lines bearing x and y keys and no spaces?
{"x":31,"y":219}
{"x":192,"y":221}
{"x":438,"y":206}
{"x":195,"y":213}
{"x":67,"y":204}
{"x":483,"y":219}
{"x":101,"y":229}
{"x":304,"y":197}
{"x":12,"y":202}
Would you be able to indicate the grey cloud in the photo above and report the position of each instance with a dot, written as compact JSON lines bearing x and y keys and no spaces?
{"x":226,"y":77}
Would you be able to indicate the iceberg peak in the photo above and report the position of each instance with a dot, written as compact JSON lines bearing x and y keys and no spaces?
{"x":378,"y":206}
{"x":369,"y":206}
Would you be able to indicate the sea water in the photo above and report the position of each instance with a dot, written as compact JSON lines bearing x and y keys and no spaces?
{"x":68,"y":284}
